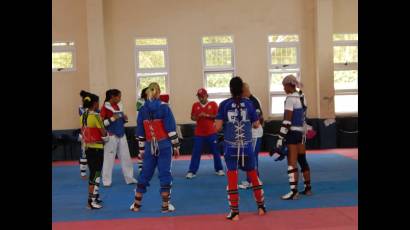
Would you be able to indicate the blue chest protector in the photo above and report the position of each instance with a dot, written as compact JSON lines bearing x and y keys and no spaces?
{"x":298,"y":117}
{"x":117,"y":127}
{"x":299,"y":114}
{"x":238,"y":127}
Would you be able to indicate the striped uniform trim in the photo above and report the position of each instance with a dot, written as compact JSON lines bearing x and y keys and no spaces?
{"x":141,"y":138}
{"x":292,"y":177}
{"x":173,"y":136}
{"x":294,"y":170}
{"x":234,"y":208}
{"x":166,"y":187}
{"x":141,"y":144}
{"x":93,"y":196}
{"x":233,"y":191}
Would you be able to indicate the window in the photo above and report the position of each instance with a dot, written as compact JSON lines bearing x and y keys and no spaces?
{"x":63,"y":56}
{"x":283,"y":59}
{"x":218,"y":66}
{"x":152,"y":63}
{"x":345,"y":51}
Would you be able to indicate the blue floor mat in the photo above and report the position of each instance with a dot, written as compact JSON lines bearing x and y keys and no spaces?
{"x":334,"y":183}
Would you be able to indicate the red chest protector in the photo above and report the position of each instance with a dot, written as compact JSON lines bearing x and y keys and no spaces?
{"x":91,"y":135}
{"x":155,"y":128}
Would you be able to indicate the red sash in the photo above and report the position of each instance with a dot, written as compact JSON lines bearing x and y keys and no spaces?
{"x":158,"y":130}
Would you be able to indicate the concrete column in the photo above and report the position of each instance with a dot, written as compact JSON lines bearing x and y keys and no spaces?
{"x":96,"y":48}
{"x":324,"y":58}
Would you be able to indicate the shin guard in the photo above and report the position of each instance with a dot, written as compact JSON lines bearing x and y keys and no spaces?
{"x":257,"y":187}
{"x":232,"y":189}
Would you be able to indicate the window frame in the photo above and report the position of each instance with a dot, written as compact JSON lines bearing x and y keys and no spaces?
{"x":217,"y":69}
{"x":345,"y":67}
{"x":64,"y":49}
{"x":164,"y":71}
{"x":280,"y":68}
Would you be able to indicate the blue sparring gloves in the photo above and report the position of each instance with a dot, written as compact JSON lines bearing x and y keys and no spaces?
{"x":220,"y":138}
{"x":282,"y":152}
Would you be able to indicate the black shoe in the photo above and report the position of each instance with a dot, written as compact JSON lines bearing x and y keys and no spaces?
{"x":307,"y":191}
{"x":232,"y":215}
{"x":263,"y":208}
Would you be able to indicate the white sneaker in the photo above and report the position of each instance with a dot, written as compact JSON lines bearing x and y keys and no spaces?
{"x":290,"y":196}
{"x":133,"y":181}
{"x":171,"y":208}
{"x":190,"y":175}
{"x":245,"y":185}
{"x":220,"y":173}
{"x":94,"y":205}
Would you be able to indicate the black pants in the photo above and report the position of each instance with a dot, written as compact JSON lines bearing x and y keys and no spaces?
{"x":95,"y":158}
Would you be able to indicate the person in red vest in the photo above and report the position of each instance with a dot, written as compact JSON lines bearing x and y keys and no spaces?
{"x":93,"y":136}
{"x":204,"y":113}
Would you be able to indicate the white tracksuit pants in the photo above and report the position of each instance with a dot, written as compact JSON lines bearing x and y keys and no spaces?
{"x":115,"y":146}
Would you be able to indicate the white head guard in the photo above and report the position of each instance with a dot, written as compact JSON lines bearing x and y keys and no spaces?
{"x":290,"y":79}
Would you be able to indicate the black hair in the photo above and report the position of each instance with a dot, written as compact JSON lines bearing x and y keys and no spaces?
{"x":144,"y":93}
{"x":89,"y":100}
{"x":111,"y":93}
{"x":235,"y":86}
{"x":84,"y":93}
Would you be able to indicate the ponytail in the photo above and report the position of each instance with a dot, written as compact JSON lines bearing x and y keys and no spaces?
{"x":84,"y":93}
{"x":236,"y":88}
{"x":89,"y":100}
{"x":144,"y":93}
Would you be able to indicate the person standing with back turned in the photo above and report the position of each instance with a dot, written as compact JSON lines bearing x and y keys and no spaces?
{"x":239,"y":116}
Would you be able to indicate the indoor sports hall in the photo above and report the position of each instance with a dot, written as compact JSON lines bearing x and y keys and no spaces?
{"x":194,"y":114}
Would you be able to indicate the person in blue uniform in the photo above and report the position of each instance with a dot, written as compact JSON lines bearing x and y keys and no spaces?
{"x":292,"y":133}
{"x":158,"y":141}
{"x":237,"y":116}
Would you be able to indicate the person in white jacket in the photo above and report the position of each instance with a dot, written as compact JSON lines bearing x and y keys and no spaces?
{"x":112,"y":113}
